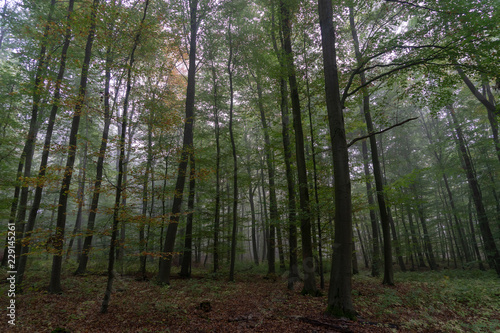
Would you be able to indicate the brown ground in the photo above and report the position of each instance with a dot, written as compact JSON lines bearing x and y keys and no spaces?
{"x":251,"y":304}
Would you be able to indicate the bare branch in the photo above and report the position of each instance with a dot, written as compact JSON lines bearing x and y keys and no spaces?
{"x":379,"y":132}
{"x":415,"y":5}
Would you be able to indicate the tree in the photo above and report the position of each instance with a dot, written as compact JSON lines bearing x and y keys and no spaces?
{"x":489,"y":242}
{"x":55,"y":278}
{"x":339,"y":292}
{"x":119,"y":183}
{"x":46,"y":149}
{"x":377,"y":172}
{"x":305,"y":207}
{"x":187,"y":147}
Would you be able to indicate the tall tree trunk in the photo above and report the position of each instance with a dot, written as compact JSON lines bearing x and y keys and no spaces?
{"x":163,"y":207}
{"x":264,"y":216}
{"x":315,"y":172}
{"x":87,"y":242}
{"x":395,"y":238}
{"x":416,"y":244}
{"x":377,"y":171}
{"x":55,"y":278}
{"x":120,"y":245}
{"x":26,"y":159}
{"x":339,"y":292}
{"x":484,"y":225}
{"x":473,"y":238}
{"x":187,"y":148}
{"x":273,"y":205}
{"x":458,"y":223}
{"x":361,"y":242}
{"x":217,"y":169}
{"x":121,"y":160}
{"x":80,"y":197}
{"x":235,"y":161}
{"x":188,"y":239}
{"x":373,"y":217}
{"x":293,"y":275}
{"x":492,"y":116}
{"x":251,"y":192}
{"x":427,"y":241}
{"x":145,"y":195}
{"x":305,"y":207}
{"x":255,"y":249}
{"x":46,"y":151}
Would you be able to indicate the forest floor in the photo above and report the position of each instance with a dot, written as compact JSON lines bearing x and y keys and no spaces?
{"x":445,"y":301}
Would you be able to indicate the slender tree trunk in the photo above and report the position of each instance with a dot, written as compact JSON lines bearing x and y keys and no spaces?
{"x":55,"y":278}
{"x":427,"y":241}
{"x":45,"y":154}
{"x":217,"y":170}
{"x":363,"y":251}
{"x":305,"y":207}
{"x":373,"y":217}
{"x":120,"y":245}
{"x":235,"y":156}
{"x":458,"y":223}
{"x":145,"y":195}
{"x":292,"y":224}
{"x":26,"y":159}
{"x":255,"y":250}
{"x":339,"y":292}
{"x":484,"y":226}
{"x":251,"y":192}
{"x":80,"y":200}
{"x":87,"y":242}
{"x":315,"y":173}
{"x":492,"y":116}
{"x":188,"y":239}
{"x":377,"y":172}
{"x":264,"y":216}
{"x":273,"y":205}
{"x":473,"y":238}
{"x":121,"y":160}
{"x":187,"y":148}
{"x":416,"y":244}
{"x":293,"y":276}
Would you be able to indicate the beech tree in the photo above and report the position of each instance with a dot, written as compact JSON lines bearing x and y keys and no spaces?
{"x":55,"y":278}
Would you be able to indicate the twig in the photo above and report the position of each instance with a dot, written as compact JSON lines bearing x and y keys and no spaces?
{"x":415,"y":5}
{"x":380,"y":132}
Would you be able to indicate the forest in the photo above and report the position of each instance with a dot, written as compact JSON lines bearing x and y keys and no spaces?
{"x":253,"y":166}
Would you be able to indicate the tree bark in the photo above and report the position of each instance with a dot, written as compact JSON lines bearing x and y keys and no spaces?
{"x":121,"y":160}
{"x":188,"y":239}
{"x":217,"y":171}
{"x":55,"y":278}
{"x":80,"y":200}
{"x":316,"y":210}
{"x":87,"y":242}
{"x":339,"y":292}
{"x":273,"y":205}
{"x":46,"y":151}
{"x":305,"y":206}
{"x":484,"y":225}
{"x":187,"y":148}
{"x":235,"y":157}
{"x":377,"y":171}
{"x":26,"y":159}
